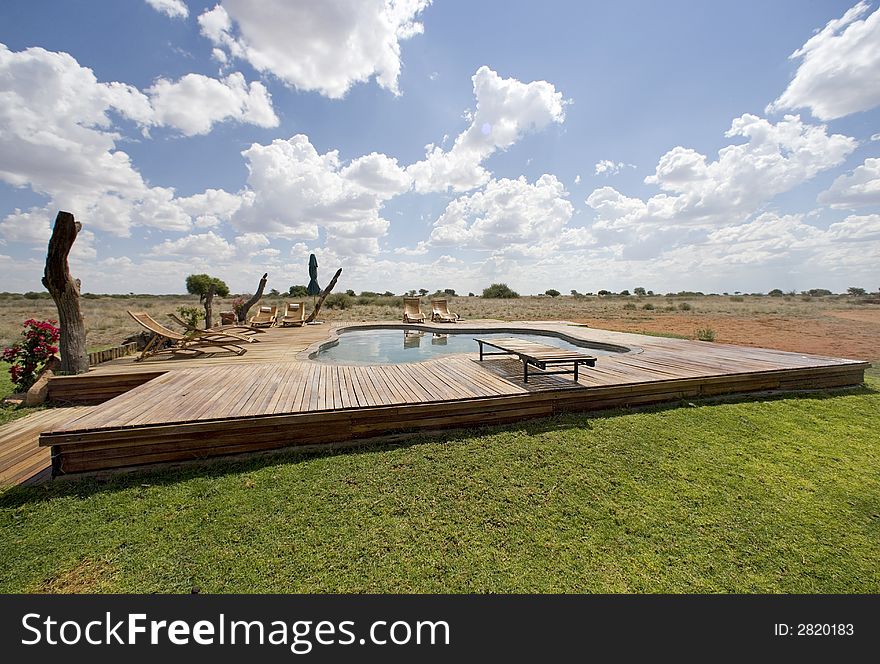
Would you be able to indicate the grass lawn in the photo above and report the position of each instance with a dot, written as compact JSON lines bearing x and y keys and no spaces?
{"x":776,"y":495}
{"x":9,"y":413}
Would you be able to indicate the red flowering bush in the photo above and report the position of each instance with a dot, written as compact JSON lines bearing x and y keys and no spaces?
{"x":40,"y":342}
{"x":238,"y":303}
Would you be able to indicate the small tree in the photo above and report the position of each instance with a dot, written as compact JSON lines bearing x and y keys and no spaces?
{"x":423,"y":291}
{"x":638,"y":290}
{"x":624,"y":292}
{"x":499,"y":291}
{"x":856,"y":291}
{"x":776,"y":292}
{"x":449,"y":291}
{"x":206,"y":287}
{"x":298,"y":291}
{"x":552,"y":292}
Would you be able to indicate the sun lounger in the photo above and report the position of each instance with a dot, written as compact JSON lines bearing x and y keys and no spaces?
{"x":236,"y":332}
{"x":412,"y":310}
{"x":294,"y":314}
{"x":189,"y":343}
{"x":440,"y":312}
{"x":537,"y":355}
{"x":265,"y":317}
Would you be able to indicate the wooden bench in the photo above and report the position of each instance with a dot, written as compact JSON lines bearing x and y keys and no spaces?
{"x":537,"y":355}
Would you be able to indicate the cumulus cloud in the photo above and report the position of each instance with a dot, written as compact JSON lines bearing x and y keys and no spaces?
{"x":31,"y":227}
{"x":838,"y":71}
{"x":57,"y":136}
{"x":698,"y":193}
{"x":859,"y":188}
{"x":608,"y":167}
{"x":194,"y":103}
{"x":506,"y":110}
{"x":293,"y":191}
{"x":856,"y":228}
{"x":171,"y":8}
{"x":324,"y":46}
{"x":507,"y":215}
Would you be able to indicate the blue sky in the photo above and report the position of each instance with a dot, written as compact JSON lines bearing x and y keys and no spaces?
{"x":568,"y":145}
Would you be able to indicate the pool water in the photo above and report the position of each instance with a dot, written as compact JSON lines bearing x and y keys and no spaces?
{"x":399,"y":346}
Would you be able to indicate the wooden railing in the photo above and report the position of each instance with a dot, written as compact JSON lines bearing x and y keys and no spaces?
{"x":111,"y":353}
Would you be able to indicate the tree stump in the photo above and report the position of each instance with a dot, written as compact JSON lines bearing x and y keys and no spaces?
{"x":243,"y":312}
{"x":324,"y":295}
{"x":65,"y":291}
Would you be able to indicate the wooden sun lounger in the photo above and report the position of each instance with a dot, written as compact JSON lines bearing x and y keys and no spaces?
{"x":440,"y":312}
{"x":537,"y":355}
{"x":294,"y":314}
{"x":412,"y":310}
{"x":217,"y":333}
{"x":183,"y":343}
{"x":265,"y":317}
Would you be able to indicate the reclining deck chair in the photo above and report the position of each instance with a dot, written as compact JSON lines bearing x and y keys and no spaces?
{"x":237,"y":332}
{"x":412,"y":310}
{"x":265,"y":317}
{"x":440,"y":312}
{"x":193,"y":342}
{"x":294,"y":314}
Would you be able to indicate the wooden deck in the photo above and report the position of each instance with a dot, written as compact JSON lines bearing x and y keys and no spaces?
{"x":168,"y":410}
{"x":22,"y":460}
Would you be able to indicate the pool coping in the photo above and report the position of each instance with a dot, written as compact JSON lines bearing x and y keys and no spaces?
{"x":336,"y":331}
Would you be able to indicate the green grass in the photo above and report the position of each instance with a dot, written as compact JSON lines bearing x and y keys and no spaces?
{"x":9,"y":413}
{"x":775,"y":495}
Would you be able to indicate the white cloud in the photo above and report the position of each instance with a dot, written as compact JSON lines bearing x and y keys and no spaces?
{"x":838,"y":71}
{"x":195,"y":102}
{"x":293,"y":191}
{"x":31,"y":227}
{"x":577,"y":179}
{"x":506,"y":110}
{"x":875,"y":137}
{"x":776,"y":158}
{"x":171,"y":8}
{"x":57,"y":137}
{"x":326,"y":46}
{"x":856,"y":228}
{"x":858,"y":189}
{"x":210,"y":208}
{"x":506,"y":215}
{"x":205,"y":245}
{"x":608,"y":167}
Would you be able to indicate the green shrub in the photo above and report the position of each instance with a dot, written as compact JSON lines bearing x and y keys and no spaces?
{"x":737,"y":298}
{"x":552,"y":292}
{"x":684,"y":306}
{"x":499,"y":291}
{"x":191,"y":315}
{"x":706,"y":334}
{"x":338,"y":301}
{"x":298,"y":291}
{"x":647,"y":306}
{"x":629,"y":306}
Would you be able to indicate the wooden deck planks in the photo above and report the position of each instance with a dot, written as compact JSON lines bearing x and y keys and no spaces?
{"x":194,"y":393}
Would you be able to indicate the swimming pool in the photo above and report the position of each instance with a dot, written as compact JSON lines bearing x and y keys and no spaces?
{"x":397,"y":346}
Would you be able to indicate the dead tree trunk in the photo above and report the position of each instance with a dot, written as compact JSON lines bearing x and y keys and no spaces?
{"x":208,"y":300}
{"x":65,"y":291}
{"x":243,"y":312}
{"x":323,"y":295}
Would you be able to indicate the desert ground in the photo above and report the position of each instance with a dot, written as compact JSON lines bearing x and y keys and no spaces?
{"x":839,"y":326}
